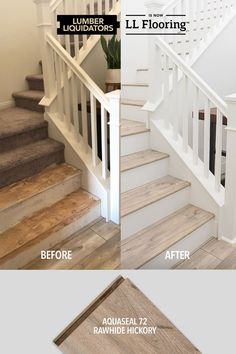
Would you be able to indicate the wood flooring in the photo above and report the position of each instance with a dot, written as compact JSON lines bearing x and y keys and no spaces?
{"x":215,"y":254}
{"x":123,"y":300}
{"x":95,"y":247}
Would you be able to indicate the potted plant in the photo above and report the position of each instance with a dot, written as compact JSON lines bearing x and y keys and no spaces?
{"x":112,"y":50}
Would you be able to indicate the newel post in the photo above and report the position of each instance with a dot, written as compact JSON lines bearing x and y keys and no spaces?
{"x":228,"y":215}
{"x":115,"y":123}
{"x":154,"y":56}
{"x":44,"y":24}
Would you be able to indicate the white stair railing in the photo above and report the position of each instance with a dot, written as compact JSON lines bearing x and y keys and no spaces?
{"x":205,"y":19}
{"x":76,"y":45}
{"x":191,"y":100}
{"x":91,"y":117}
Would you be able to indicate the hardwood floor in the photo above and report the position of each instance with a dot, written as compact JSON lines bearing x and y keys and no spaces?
{"x":214,"y":254}
{"x":95,"y":247}
{"x":123,"y":300}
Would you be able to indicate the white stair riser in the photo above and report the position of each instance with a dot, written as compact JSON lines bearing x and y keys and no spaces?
{"x":135,"y":113}
{"x":14,"y":214}
{"x":190,"y":243}
{"x":142,"y":76}
{"x":33,"y":250}
{"x":143,"y":174}
{"x":153,"y":213}
{"x":134,"y":143}
{"x":135,"y":92}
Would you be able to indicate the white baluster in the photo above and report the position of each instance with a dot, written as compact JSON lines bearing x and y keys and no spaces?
{"x":91,"y":7}
{"x":185,"y":114}
{"x":195,"y":125}
{"x":67,"y":37}
{"x":207,"y":124}
{"x":107,"y":7}
{"x":84,"y":115}
{"x":99,"y":7}
{"x":59,"y":88}
{"x":66,"y":96}
{"x":166,"y":88}
{"x":175,"y":103}
{"x":104,"y":143}
{"x":85,"y":38}
{"x":93,"y":108}
{"x":75,"y":105}
{"x":218,"y":148}
{"x":76,"y":37}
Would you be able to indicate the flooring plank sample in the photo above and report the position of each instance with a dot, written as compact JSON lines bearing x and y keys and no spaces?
{"x":155,"y":334}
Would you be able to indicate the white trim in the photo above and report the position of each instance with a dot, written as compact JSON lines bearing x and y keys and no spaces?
{"x":6,"y":104}
{"x":232,"y":242}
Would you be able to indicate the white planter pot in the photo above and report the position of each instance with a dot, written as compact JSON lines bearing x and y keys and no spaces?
{"x":113,"y":76}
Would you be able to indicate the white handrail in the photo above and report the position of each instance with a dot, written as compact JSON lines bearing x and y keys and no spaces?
{"x":82,"y":75}
{"x":196,"y":79}
{"x":54,"y":5}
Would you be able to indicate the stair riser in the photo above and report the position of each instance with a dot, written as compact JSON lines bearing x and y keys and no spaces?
{"x":33,"y":250}
{"x":37,"y":85}
{"x":134,"y":143}
{"x":153,"y":213}
{"x":29,"y":169}
{"x":142,"y":77}
{"x":144,"y":174}
{"x":190,"y":243}
{"x":135,"y":92}
{"x":15,"y":214}
{"x":23,"y":139}
{"x":135,"y":113}
{"x":29,"y":104}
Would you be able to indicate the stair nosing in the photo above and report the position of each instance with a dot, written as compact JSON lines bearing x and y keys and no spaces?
{"x":139,"y":233}
{"x":187,"y":185}
{"x":133,"y":103}
{"x":48,"y":232}
{"x":136,"y":85}
{"x":163,"y":157}
{"x":20,"y":201}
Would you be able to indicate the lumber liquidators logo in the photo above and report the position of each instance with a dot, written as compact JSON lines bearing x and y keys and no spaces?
{"x":156,"y":24}
{"x":87,"y":24}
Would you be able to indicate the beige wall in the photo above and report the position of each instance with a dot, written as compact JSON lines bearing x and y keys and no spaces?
{"x":19,"y":46}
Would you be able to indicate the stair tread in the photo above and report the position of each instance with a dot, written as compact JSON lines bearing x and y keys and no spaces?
{"x":48,"y":220}
{"x":136,"y":85}
{"x":141,"y":158}
{"x":131,"y":127}
{"x":26,"y":153}
{"x":130,"y":102}
{"x":147,"y":244}
{"x":34,"y":185}
{"x":150,"y":193}
{"x":17,"y":120}
{"x":32,"y":95}
{"x":35,"y":77}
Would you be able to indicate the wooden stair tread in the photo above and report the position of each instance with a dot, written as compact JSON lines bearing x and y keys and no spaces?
{"x":17,"y":120}
{"x":141,"y":158}
{"x":147,"y":244}
{"x":129,"y":102}
{"x":150,"y":193}
{"x":122,"y":299}
{"x":43,"y":223}
{"x":30,"y":152}
{"x":32,"y":95}
{"x":131,"y":127}
{"x":136,"y":85}
{"x":27,"y":188}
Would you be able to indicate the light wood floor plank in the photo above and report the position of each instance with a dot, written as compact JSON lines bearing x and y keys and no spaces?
{"x":200,"y":260}
{"x":137,"y":159}
{"x":131,"y":127}
{"x":105,"y":229}
{"x":229,"y":262}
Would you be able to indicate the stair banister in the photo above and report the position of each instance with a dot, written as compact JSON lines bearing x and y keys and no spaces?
{"x":228,"y":213}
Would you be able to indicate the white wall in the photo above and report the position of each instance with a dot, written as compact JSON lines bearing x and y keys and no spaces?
{"x":19,"y":46}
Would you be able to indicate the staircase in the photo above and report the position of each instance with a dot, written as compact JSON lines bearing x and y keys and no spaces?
{"x":172,"y":193}
{"x":41,"y":202}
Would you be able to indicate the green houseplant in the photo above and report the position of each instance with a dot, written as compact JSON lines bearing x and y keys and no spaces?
{"x":112,"y":50}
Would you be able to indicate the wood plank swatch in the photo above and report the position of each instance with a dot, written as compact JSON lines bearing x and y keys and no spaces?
{"x":123,"y":300}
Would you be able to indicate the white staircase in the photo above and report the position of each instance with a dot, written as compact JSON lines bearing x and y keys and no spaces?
{"x":170,"y":200}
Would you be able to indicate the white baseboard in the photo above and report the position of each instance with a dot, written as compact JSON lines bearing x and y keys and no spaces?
{"x":232,"y":242}
{"x":6,"y":104}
